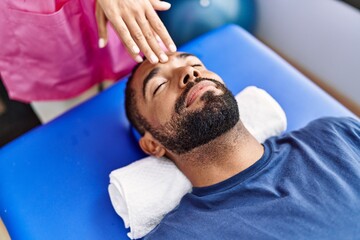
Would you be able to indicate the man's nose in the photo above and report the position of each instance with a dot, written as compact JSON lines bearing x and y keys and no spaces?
{"x":188,"y":74}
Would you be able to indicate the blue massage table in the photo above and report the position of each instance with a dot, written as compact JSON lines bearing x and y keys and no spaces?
{"x":54,"y":179}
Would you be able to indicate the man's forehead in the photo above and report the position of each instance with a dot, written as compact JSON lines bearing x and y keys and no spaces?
{"x":143,"y":68}
{"x":146,"y":66}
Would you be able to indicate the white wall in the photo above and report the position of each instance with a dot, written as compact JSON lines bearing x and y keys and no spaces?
{"x":322,"y":36}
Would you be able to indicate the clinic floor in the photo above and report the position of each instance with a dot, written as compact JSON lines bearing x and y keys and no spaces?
{"x":16,"y":118}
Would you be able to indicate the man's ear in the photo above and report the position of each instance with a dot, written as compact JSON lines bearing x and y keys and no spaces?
{"x":151,"y":146}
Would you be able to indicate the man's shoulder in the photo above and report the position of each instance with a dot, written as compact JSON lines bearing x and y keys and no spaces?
{"x":180,"y":223}
{"x":325,"y":133}
{"x":334,"y":126}
{"x":337,"y":121}
{"x":171,"y":226}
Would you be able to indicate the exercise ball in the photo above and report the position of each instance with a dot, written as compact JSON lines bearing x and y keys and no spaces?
{"x":188,"y":19}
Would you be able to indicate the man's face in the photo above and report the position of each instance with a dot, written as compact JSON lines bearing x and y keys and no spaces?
{"x":186,"y":105}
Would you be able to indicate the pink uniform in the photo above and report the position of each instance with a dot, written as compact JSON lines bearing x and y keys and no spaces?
{"x":49,"y":49}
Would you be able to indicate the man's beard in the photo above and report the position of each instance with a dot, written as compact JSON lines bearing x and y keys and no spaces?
{"x":187,"y":130}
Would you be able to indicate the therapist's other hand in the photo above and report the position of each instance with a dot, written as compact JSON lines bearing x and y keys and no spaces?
{"x":138,"y":26}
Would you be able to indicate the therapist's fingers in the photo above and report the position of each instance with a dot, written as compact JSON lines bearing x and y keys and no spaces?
{"x":122,"y":29}
{"x":157,"y":24}
{"x":160,"y":29}
{"x":130,"y":20}
{"x":114,"y":11}
{"x":160,"y":5}
{"x":142,"y":33}
{"x":101,"y":21}
{"x":149,"y":42}
{"x":141,"y":39}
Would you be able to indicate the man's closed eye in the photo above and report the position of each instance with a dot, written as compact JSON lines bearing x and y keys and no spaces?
{"x":158,"y":88}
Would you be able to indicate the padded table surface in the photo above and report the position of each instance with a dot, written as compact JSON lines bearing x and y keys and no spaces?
{"x":54,"y":179}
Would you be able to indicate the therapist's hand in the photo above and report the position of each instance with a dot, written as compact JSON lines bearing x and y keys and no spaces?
{"x":138,"y":26}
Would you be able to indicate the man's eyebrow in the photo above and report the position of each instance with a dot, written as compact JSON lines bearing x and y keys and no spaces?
{"x":151,"y":74}
{"x":185,"y":55}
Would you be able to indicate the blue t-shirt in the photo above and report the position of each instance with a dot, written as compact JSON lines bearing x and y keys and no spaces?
{"x":305,"y":186}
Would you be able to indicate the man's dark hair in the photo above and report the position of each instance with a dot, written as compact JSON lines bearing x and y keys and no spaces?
{"x":132,"y":111}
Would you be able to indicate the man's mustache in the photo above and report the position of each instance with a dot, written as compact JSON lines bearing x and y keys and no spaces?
{"x":180,"y":102}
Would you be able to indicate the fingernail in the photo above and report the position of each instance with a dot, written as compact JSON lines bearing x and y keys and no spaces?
{"x":154,"y":59}
{"x":138,"y":59}
{"x":102,"y":43}
{"x":157,"y":38}
{"x":172,"y":48}
{"x":164,"y":57}
{"x":135,"y":49}
{"x":165,"y":4}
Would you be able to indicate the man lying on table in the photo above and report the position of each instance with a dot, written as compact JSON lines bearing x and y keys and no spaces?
{"x":302,"y":185}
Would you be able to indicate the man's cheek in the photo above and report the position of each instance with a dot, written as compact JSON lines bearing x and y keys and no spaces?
{"x":164,"y":110}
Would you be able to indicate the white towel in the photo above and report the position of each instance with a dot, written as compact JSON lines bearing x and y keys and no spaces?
{"x":143,"y":192}
{"x":262,"y":116}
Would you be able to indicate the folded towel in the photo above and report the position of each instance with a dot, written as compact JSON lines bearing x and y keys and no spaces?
{"x":261,"y":114}
{"x":143,"y":192}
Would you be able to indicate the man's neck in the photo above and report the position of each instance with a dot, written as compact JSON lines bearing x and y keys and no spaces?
{"x":220,"y":159}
